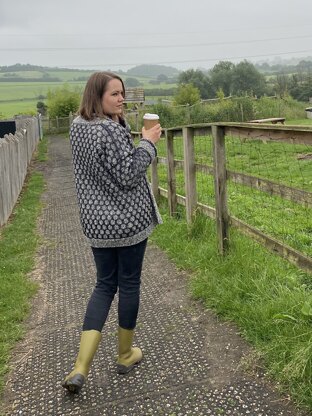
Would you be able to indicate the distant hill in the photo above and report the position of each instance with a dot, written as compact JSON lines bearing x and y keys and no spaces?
{"x":18,"y":72}
{"x":153,"y":71}
{"x":28,"y":67}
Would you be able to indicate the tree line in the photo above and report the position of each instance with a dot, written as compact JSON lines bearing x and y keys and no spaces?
{"x":229,"y":79}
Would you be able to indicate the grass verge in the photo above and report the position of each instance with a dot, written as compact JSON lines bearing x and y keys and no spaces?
{"x":18,"y":243}
{"x":300,"y":122}
{"x":269,"y":299}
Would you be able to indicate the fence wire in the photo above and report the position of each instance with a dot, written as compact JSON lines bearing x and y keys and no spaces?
{"x":265,"y":185}
{"x":269,"y":184}
{"x":204,"y":170}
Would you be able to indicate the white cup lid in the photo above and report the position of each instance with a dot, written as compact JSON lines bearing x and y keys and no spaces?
{"x":150,"y":116}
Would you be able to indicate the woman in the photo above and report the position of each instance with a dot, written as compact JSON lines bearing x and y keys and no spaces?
{"x":117,"y":212}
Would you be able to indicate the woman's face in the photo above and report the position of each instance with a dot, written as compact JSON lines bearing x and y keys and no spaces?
{"x":112,"y":100}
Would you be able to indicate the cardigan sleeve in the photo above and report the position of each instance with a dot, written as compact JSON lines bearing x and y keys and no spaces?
{"x":124,"y":162}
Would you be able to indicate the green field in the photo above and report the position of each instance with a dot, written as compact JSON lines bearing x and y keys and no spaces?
{"x":20,"y":90}
{"x":22,"y":97}
{"x":10,"y":109}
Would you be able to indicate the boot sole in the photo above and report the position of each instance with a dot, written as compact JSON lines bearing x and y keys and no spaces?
{"x":74,"y":384}
{"x":123,"y":369}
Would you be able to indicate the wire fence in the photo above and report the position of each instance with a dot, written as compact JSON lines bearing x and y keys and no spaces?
{"x":56,"y":125}
{"x":276,"y":195}
{"x":267,"y":188}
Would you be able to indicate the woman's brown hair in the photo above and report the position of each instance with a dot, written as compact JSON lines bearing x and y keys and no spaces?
{"x":91,"y":103}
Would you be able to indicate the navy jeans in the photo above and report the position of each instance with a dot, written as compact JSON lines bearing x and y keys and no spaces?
{"x":117,"y":267}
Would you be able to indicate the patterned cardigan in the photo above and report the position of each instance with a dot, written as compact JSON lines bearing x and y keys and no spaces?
{"x":117,"y":207}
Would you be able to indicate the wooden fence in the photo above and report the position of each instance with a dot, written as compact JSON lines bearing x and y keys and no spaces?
{"x":56,"y":125}
{"x":220,"y":132}
{"x":15,"y":154}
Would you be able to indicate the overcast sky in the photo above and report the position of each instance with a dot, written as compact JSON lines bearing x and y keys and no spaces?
{"x":120,"y":34}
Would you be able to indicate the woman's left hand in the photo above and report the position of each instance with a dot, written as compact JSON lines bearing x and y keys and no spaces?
{"x":153,"y":134}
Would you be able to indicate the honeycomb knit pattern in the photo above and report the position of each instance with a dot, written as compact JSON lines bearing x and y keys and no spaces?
{"x":117,"y":207}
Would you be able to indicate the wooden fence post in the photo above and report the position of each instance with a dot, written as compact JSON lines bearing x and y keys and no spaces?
{"x":189,"y":172}
{"x":171,"y":179}
{"x":154,"y":178}
{"x":219,"y":162}
{"x":70,"y":119}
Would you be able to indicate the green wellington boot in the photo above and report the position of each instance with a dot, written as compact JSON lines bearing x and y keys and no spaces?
{"x":128,"y":356}
{"x":89,"y":343}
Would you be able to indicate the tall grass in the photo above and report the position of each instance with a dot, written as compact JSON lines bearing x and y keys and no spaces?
{"x":238,"y":109}
{"x":18,"y":243}
{"x":269,"y":299}
{"x":283,"y":107}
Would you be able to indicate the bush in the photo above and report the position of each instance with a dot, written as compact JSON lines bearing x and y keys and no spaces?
{"x":187,"y":94}
{"x":224,"y":110}
{"x":159,"y":92}
{"x":41,"y":108}
{"x":62,"y":101}
{"x":132,"y":82}
{"x":169,"y":116}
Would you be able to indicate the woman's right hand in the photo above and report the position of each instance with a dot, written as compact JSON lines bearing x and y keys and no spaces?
{"x":153,"y":134}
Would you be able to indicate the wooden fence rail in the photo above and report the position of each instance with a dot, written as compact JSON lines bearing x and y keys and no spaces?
{"x":220,"y":131}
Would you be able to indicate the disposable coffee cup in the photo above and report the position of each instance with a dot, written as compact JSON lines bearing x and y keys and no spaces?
{"x":150,"y":120}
